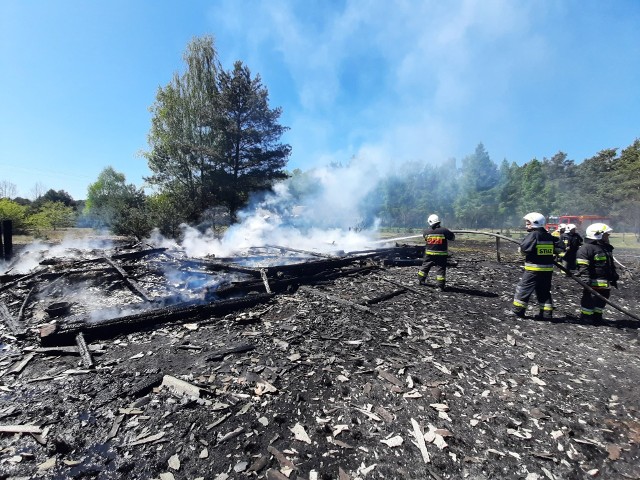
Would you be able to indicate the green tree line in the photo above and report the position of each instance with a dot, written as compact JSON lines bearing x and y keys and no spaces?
{"x":478,"y":193}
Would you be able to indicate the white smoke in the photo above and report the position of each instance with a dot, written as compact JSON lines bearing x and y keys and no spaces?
{"x":320,"y":210}
{"x":70,"y":248}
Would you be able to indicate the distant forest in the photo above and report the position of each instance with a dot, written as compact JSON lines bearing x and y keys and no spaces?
{"x":478,"y":193}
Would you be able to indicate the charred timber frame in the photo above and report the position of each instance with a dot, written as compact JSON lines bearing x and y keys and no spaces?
{"x":65,"y":334}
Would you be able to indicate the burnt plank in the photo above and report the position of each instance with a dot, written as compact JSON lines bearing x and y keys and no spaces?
{"x":65,"y":333}
{"x":87,"y":360}
{"x":220,"y":354}
{"x":131,"y":283}
{"x":385,"y":296}
{"x":24,"y":305}
{"x":307,"y":252}
{"x":15,"y":327}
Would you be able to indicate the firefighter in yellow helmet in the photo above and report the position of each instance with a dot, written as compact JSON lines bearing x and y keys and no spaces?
{"x":595,"y":260}
{"x":436,"y":253}
{"x":560,"y":230}
{"x":539,"y":248}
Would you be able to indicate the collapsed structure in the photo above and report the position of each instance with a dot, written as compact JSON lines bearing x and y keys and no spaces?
{"x":140,"y":362}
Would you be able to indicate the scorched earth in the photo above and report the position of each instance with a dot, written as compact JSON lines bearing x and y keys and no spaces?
{"x":351,"y":371}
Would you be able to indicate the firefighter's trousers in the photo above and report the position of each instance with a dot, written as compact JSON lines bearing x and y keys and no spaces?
{"x":439,"y":265}
{"x":591,"y":306}
{"x":569,"y":261}
{"x":538,"y":282}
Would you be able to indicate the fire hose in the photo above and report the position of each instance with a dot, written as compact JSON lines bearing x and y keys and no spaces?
{"x":568,"y":272}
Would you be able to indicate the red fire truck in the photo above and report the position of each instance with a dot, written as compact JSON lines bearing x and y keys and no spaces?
{"x":580,"y":221}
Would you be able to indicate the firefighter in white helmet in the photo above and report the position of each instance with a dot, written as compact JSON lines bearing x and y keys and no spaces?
{"x":572,"y":241}
{"x":595,"y":260}
{"x":436,"y":253}
{"x":539,"y":248}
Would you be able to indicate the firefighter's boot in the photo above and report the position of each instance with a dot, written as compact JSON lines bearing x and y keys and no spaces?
{"x":422,"y":278}
{"x":519,"y":311}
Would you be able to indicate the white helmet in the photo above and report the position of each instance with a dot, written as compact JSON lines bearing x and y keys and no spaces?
{"x":537,"y":219}
{"x":596,"y":230}
{"x":433,"y":219}
{"x":571,"y":226}
{"x":563,"y":226}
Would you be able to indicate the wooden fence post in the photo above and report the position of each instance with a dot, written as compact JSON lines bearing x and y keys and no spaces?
{"x":7,"y":235}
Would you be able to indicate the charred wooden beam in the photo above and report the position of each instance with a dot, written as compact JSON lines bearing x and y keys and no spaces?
{"x":64,"y":334}
{"x":279,"y":284}
{"x":214,"y":266}
{"x":15,"y":327}
{"x":220,"y":354}
{"x":69,"y":350}
{"x":87,"y":360}
{"x":131,"y":283}
{"x":24,"y":305}
{"x":306,"y":252}
{"x":310,"y":268}
{"x":17,"y":367}
{"x":22,"y":278}
{"x":386,"y":296}
{"x":265,"y":280}
{"x":138,"y":254}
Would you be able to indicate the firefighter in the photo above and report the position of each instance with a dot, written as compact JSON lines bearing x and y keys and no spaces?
{"x":538,"y":248}
{"x":572,"y":241}
{"x":436,"y":253}
{"x":595,"y":260}
{"x":560,"y":230}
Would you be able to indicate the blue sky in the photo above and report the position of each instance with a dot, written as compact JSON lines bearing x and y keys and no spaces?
{"x":384,"y":81}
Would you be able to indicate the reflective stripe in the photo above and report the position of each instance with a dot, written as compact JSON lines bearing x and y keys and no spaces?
{"x":534,"y":267}
{"x":599,"y":257}
{"x":439,"y":278}
{"x":599,"y":282}
{"x":586,"y":311}
{"x":547,"y":308}
{"x":598,"y":310}
{"x":582,"y":261}
{"x":429,"y":252}
{"x":518,"y":303}
{"x":421,"y":274}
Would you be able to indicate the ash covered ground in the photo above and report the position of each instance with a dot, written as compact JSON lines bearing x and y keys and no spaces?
{"x":362,"y":375}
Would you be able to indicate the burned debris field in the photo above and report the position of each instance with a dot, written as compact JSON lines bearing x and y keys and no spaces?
{"x":139,"y":362}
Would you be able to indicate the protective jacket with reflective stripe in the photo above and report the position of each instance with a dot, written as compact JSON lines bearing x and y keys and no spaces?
{"x":539,"y":247}
{"x":437,"y":240}
{"x":571,"y":241}
{"x":595,"y":258}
